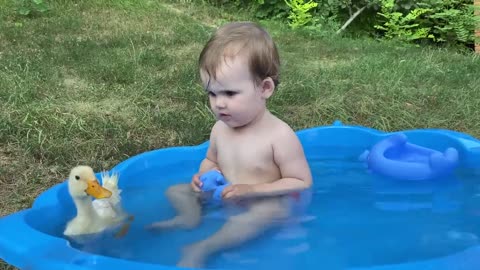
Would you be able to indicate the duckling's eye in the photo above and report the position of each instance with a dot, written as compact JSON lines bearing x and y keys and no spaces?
{"x":77,"y":177}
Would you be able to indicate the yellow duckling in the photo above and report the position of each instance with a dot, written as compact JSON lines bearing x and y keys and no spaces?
{"x":100,"y":214}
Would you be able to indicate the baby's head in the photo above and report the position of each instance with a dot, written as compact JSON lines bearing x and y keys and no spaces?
{"x":246,"y":40}
{"x":239,"y":67}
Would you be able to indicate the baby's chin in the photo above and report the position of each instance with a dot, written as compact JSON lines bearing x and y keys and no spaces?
{"x":236,"y":125}
{"x":231,"y":122}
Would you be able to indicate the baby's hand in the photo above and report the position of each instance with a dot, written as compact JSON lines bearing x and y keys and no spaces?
{"x":234,"y":192}
{"x":196,"y":183}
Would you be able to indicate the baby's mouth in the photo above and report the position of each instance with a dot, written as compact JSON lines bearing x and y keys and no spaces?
{"x":223,"y":115}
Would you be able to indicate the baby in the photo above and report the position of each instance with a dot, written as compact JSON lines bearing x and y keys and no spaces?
{"x":259,"y":154}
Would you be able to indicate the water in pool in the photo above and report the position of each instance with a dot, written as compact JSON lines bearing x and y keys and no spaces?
{"x":355,"y":219}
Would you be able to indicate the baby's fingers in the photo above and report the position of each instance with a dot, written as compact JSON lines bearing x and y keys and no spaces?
{"x":196,"y":183}
{"x":228,"y":192}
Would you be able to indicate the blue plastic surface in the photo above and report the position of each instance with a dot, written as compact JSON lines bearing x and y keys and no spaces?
{"x":25,"y":246}
{"x":397,"y":158}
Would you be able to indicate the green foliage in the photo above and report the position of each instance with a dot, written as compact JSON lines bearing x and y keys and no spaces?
{"x":445,"y":21}
{"x":439,"y":21}
{"x":454,"y":25}
{"x":31,"y":7}
{"x":402,"y":26}
{"x":341,"y":8}
{"x":271,"y":9}
{"x":300,"y":12}
{"x":453,"y":21}
{"x":319,"y":16}
{"x":344,"y":10}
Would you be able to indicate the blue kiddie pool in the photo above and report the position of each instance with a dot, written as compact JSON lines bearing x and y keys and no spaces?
{"x":355,"y":219}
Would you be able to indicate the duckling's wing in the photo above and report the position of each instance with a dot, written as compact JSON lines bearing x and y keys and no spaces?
{"x":110,"y":182}
{"x":104,"y":208}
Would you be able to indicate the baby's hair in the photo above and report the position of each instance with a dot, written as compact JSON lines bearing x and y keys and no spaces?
{"x":242,"y":38}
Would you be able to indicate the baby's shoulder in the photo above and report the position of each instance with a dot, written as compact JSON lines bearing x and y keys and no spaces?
{"x":280,"y":127}
{"x":218,"y":127}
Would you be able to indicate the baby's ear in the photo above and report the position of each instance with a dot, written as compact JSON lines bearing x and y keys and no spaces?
{"x":268,"y":86}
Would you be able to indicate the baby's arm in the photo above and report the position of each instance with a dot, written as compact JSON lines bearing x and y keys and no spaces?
{"x":209,"y":162}
{"x":289,"y":156}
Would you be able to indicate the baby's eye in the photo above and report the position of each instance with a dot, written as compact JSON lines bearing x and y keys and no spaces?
{"x":210,"y":93}
{"x":230,"y":93}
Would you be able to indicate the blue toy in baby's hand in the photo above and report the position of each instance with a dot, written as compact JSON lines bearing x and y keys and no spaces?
{"x":213,"y":181}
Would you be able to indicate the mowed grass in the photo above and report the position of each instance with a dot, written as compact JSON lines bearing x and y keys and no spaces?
{"x":95,"y":82}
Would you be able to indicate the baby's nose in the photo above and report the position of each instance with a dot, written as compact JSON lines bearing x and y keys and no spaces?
{"x":220,"y":102}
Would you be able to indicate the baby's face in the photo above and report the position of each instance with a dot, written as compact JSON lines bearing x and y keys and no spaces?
{"x":234,"y":96}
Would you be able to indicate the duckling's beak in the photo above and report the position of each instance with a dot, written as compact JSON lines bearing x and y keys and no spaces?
{"x":95,"y":190}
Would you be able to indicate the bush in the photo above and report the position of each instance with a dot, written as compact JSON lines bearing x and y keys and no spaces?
{"x":444,"y":21}
{"x":434,"y":21}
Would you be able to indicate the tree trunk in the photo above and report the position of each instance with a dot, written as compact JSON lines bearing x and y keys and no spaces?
{"x":353,"y":18}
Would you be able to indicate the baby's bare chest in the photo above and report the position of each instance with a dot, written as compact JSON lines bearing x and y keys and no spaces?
{"x":247,"y":158}
{"x":245,"y":154}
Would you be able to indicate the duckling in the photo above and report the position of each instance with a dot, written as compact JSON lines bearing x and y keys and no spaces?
{"x":94,"y":216}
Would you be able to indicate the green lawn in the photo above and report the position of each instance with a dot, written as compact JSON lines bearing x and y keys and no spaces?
{"x":95,"y":82}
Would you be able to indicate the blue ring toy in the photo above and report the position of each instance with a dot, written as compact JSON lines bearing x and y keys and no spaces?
{"x":395,"y":157}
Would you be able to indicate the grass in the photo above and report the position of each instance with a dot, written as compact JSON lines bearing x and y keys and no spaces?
{"x":95,"y":82}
